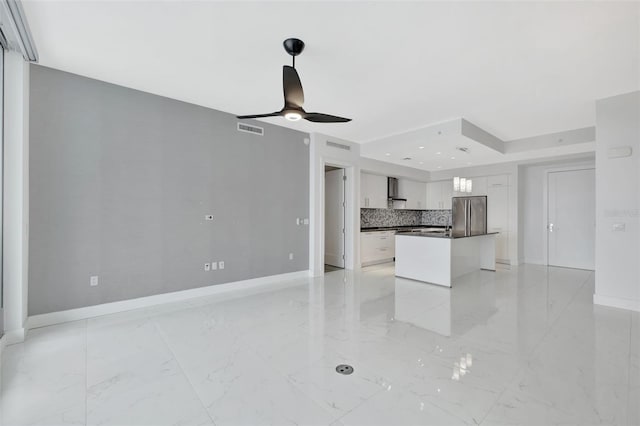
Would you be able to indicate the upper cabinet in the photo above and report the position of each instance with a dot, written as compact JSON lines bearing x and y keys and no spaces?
{"x":439,"y":195}
{"x":479,"y":186}
{"x":373,"y":191}
{"x":498,"y":180}
{"x":414,"y":192}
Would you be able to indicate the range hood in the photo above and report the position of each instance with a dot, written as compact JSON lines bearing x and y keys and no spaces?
{"x":392,"y":190}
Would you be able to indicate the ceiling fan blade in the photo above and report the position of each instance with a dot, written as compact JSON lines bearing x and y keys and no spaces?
{"x":293,"y":94}
{"x":272,"y":114}
{"x":318,"y":117}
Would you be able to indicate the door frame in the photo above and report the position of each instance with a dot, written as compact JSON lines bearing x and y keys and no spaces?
{"x":344,"y":216}
{"x":545,"y":202}
{"x":349,"y":227}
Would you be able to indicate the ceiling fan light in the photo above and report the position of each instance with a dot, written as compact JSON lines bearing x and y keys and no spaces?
{"x":293,"y":116}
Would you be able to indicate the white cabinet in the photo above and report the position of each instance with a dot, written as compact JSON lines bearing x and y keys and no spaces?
{"x":439,"y":195}
{"x":499,"y":180}
{"x":498,"y":219}
{"x":433,"y":195}
{"x":446,"y":193}
{"x":479,"y":186}
{"x":373,"y":191}
{"x":377,"y":247}
{"x":414,"y":192}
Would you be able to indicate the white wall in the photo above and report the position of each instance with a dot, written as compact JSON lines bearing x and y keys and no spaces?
{"x":618,"y":202}
{"x":16,"y":195}
{"x":533,"y":195}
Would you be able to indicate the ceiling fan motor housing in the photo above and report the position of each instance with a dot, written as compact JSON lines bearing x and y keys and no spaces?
{"x":293,"y":46}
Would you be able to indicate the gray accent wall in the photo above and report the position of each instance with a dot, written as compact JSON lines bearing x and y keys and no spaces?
{"x":121,"y":181}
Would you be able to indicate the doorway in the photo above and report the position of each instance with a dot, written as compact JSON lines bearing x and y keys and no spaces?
{"x":571,"y":218}
{"x":334,"y":218}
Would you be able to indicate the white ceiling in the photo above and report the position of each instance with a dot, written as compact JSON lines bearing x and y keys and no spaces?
{"x":515,"y":69}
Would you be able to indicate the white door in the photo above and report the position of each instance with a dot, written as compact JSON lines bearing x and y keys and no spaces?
{"x":572,"y":218}
{"x":334,"y":218}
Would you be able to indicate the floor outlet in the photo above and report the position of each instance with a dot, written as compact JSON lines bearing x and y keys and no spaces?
{"x":207,"y":267}
{"x":221,"y":265}
{"x":93,"y":281}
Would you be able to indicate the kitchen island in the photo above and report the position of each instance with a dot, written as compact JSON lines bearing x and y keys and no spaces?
{"x":441,"y":257}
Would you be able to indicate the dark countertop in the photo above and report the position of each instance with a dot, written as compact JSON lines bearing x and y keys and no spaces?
{"x":399,"y":228}
{"x":441,"y":235}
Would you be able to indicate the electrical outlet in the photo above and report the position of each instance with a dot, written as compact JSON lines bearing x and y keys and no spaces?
{"x":208,"y":217}
{"x":214,"y":266}
{"x":619,"y":227}
{"x":290,"y":256}
{"x":306,"y":221}
{"x":221,"y":265}
{"x":93,"y":281}
{"x":207,"y":267}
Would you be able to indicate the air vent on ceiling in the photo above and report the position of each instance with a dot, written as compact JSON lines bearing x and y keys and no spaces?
{"x":338,"y":145}
{"x":243,"y":127}
{"x":463,"y":149}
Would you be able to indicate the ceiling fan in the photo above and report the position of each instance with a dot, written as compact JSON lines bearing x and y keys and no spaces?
{"x":293,"y":94}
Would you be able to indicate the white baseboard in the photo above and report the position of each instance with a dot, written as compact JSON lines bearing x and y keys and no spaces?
{"x":616,"y":302}
{"x":2,"y":344}
{"x":13,"y":336}
{"x":158,"y":299}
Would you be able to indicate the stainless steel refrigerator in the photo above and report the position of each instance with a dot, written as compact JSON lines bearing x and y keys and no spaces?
{"x":469,"y":216}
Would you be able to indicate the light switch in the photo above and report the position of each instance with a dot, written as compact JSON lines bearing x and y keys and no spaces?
{"x":619,"y":227}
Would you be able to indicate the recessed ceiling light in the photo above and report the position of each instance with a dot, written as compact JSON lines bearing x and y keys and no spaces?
{"x":439,"y":167}
{"x":438,"y":153}
{"x":421,"y":147}
{"x":422,"y":162}
{"x":387,"y":154}
{"x":453,"y":158}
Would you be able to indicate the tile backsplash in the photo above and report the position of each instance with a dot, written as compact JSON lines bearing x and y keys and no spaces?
{"x":436,"y":217}
{"x":370,"y":218}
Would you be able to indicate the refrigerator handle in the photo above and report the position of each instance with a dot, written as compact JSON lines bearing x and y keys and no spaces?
{"x":467,"y":231}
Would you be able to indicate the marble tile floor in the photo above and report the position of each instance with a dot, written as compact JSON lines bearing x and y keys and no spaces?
{"x":518,"y":346}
